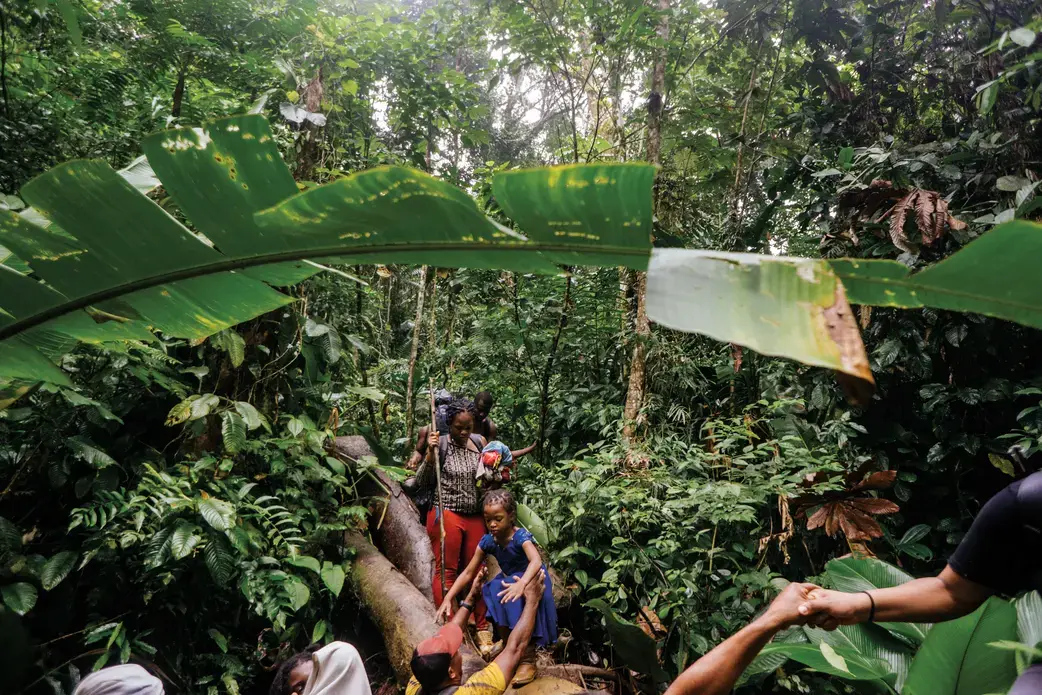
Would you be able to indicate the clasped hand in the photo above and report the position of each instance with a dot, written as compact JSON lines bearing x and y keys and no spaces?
{"x":809,"y":604}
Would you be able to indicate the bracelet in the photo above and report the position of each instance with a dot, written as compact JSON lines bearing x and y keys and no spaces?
{"x":872,"y":609}
{"x":464,"y":604}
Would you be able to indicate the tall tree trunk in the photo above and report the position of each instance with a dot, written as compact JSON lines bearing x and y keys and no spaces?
{"x":179,"y":91}
{"x":3,"y":61}
{"x":544,"y":391}
{"x":359,"y":355}
{"x":641,"y":326}
{"x":413,"y":352}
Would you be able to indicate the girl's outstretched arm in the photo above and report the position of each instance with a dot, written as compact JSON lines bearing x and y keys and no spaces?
{"x":462,"y":584}
{"x":515,"y":591}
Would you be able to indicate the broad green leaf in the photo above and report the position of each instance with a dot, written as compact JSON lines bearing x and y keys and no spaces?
{"x":57,"y":569}
{"x":333,"y":577}
{"x":83,"y":234}
{"x":1022,"y":36}
{"x":993,"y":275}
{"x":603,"y":211}
{"x":202,"y":406}
{"x":251,"y":416}
{"x":787,"y":307}
{"x":67,"y":9}
{"x":1011,"y":183}
{"x":298,"y":593}
{"x":531,"y":521}
{"x":636,"y":650}
{"x":823,"y":657}
{"x":233,"y":432}
{"x":320,"y":631}
{"x":1003,"y":464}
{"x":20,"y":597}
{"x":871,"y":643}
{"x":184,"y":539}
{"x":864,"y":574}
{"x":956,"y":658}
{"x":89,"y":452}
{"x":835,"y":660}
{"x":220,"y":515}
{"x":305,"y":561}
{"x":1029,"y":619}
{"x":180,"y":412}
{"x":19,"y":360}
{"x":987,"y":95}
{"x":219,"y":639}
{"x":220,"y":175}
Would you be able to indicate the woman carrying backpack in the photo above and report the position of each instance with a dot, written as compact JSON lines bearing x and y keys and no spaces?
{"x":459,"y":453}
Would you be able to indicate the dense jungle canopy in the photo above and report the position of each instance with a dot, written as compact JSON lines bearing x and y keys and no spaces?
{"x":707,"y":425}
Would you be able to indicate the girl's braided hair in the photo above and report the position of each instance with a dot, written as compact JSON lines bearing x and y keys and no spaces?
{"x":502,"y":497}
{"x":280,"y":684}
{"x":457,"y":406}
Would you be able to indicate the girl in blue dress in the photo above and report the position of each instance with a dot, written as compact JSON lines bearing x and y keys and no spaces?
{"x":519,"y":561}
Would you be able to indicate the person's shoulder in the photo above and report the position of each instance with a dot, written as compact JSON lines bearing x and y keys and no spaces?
{"x":413,"y":687}
{"x":487,"y":544}
{"x":487,"y":681}
{"x":523,"y":535}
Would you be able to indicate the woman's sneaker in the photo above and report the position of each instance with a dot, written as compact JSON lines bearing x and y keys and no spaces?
{"x":485,"y":645}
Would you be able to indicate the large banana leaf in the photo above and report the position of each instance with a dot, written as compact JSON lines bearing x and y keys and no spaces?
{"x":956,"y":658}
{"x":995,"y":275}
{"x":635,"y":649}
{"x":98,"y":244}
{"x":843,"y":662}
{"x":792,"y":308}
{"x":864,"y":574}
{"x":1029,"y":619}
{"x":873,"y":644}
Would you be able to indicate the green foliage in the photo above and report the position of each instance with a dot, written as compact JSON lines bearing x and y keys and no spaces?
{"x":962,"y":655}
{"x":790,"y":129}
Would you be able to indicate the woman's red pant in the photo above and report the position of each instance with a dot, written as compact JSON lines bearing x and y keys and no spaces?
{"x":462,"y":533}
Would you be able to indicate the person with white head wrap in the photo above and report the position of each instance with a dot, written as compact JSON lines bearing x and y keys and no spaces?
{"x":338,"y":670}
{"x":128,"y":679}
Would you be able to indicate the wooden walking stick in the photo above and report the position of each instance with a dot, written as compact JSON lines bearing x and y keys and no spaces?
{"x":437,"y":478}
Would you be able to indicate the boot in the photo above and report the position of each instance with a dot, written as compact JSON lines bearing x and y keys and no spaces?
{"x":526,"y":669}
{"x":485,"y":645}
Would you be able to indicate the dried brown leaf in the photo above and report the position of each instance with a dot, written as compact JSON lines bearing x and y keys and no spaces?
{"x":897,"y":223}
{"x":880,"y":480}
{"x":818,"y":518}
{"x":857,"y":525}
{"x":873,"y":505}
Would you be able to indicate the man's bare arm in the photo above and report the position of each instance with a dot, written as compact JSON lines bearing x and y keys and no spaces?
{"x":516,"y":644}
{"x":420,"y":451}
{"x":718,"y":671}
{"x":523,"y":452}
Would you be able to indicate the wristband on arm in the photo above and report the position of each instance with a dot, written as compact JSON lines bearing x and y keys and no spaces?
{"x":872,"y":609}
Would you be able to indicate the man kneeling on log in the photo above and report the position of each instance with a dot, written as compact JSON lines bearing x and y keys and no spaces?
{"x":437,"y":664}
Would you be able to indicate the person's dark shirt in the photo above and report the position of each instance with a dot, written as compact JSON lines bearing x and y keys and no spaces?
{"x":1003,"y":548}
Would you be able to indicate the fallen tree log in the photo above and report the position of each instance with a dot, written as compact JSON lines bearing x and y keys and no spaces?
{"x":394,"y":586}
{"x":403,"y":615}
{"x":395,"y":521}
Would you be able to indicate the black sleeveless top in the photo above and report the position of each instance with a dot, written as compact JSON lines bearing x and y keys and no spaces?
{"x":1003,"y":548}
